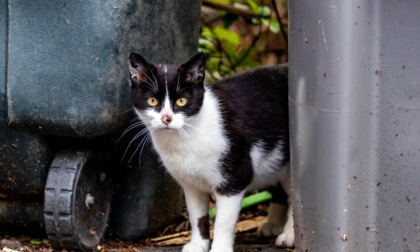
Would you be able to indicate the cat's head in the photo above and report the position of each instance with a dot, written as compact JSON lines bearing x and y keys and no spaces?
{"x":167,"y":96}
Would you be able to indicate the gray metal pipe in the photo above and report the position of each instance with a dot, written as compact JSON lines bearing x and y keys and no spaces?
{"x":355,"y":124}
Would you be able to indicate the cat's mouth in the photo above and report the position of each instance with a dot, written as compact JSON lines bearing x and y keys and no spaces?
{"x":167,"y":127}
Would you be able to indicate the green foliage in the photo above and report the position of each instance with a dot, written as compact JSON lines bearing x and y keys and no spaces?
{"x":229,"y":50}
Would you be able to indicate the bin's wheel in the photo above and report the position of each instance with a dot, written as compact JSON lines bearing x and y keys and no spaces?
{"x":76,"y":201}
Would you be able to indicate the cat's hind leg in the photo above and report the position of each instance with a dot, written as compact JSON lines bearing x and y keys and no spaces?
{"x":277,"y":213}
{"x":287,"y":238}
{"x":197,"y":205}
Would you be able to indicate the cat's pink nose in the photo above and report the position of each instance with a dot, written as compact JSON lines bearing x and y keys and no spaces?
{"x":166,"y":119}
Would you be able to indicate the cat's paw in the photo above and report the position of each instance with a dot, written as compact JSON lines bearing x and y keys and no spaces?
{"x":193,"y":247}
{"x":218,"y":249}
{"x":270,"y":229}
{"x":286,"y":239}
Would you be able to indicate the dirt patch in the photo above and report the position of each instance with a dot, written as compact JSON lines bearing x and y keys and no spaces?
{"x":171,"y":238}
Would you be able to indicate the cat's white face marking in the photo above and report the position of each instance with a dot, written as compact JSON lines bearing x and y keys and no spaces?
{"x":154,"y":119}
{"x":165,"y":70}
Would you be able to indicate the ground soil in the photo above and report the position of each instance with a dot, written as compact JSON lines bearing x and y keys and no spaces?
{"x":246,"y":240}
{"x":244,"y":243}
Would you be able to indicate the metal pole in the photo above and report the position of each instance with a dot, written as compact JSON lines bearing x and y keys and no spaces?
{"x":355,"y":124}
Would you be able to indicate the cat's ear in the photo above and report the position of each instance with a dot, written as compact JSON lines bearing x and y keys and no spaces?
{"x":140,"y":70}
{"x":194,"y":69}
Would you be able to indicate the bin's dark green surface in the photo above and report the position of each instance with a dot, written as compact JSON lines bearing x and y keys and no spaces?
{"x":17,"y":215}
{"x":64,"y":72}
{"x":67,"y":60}
{"x":355,"y":124}
{"x":3,"y":58}
{"x":24,"y":156}
{"x":138,"y":210}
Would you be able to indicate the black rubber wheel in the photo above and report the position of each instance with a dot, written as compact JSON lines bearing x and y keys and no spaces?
{"x":76,"y":201}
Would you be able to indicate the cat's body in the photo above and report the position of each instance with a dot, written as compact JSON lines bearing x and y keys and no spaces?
{"x":222,"y":139}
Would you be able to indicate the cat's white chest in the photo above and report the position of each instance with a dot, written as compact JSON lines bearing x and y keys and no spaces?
{"x":192,"y":155}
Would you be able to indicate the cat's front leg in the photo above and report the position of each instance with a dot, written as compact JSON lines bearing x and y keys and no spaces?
{"x":228,"y":208}
{"x":197,"y":205}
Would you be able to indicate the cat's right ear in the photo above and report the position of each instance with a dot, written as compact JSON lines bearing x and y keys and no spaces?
{"x":139,"y":69}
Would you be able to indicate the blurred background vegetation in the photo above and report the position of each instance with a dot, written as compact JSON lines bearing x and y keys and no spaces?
{"x":241,"y":34}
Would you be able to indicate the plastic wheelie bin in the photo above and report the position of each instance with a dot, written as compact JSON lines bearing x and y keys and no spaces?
{"x":63,"y":99}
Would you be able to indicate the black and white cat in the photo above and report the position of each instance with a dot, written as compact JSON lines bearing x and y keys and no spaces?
{"x":222,"y":139}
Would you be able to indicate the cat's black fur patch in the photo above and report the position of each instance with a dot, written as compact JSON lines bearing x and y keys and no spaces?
{"x":251,"y":117}
{"x":279,"y":196}
{"x":204,"y":227}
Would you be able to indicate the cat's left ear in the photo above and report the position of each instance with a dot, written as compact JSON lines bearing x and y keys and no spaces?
{"x":194,"y":69}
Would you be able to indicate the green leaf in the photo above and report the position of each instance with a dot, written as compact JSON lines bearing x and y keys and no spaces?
{"x":254,"y":6}
{"x":227,"y":36}
{"x":264,"y":11}
{"x":207,"y":33}
{"x":36,"y":242}
{"x":241,"y":6}
{"x":256,"y":21}
{"x":272,"y":24}
{"x":247,"y":60}
{"x":222,"y":1}
{"x":225,"y":69}
{"x":206,"y":44}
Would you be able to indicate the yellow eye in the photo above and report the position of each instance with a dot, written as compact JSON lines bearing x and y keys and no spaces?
{"x":181,"y":102}
{"x":152,"y":101}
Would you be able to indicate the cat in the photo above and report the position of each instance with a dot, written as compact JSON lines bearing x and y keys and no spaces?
{"x":222,"y":139}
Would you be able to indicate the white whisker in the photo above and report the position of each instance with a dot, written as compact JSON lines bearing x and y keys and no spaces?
{"x":184,"y":135}
{"x":177,"y":84}
{"x":142,"y":143}
{"x":135,"y":119}
{"x":193,"y":127}
{"x":132,"y":126}
{"x":153,"y":85}
{"x":153,"y":76}
{"x":142,"y":132}
{"x":126,"y":111}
